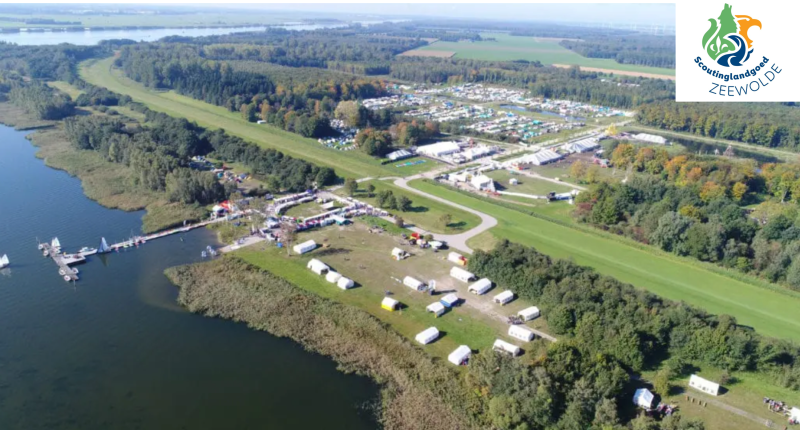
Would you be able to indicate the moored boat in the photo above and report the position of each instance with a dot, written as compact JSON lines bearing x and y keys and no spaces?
{"x":4,"y":261}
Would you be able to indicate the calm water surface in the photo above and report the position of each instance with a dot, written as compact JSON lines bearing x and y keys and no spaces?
{"x":114,"y":351}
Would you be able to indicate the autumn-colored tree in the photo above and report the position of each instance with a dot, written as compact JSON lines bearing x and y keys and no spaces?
{"x":691,"y":211}
{"x":578,"y":170}
{"x":739,"y":190}
{"x":711,"y":191}
{"x":623,"y":155}
{"x":592,"y":174}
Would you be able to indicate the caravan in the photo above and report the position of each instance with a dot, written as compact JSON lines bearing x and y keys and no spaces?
{"x":480,"y":287}
{"x":461,"y":274}
{"x":414,"y":284}
{"x":427,"y":336}
{"x":503,"y":346}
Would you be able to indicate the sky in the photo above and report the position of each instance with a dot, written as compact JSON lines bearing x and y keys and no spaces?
{"x":617,"y":13}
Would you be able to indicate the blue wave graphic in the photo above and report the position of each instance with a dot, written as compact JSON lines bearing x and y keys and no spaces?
{"x":735,"y":58}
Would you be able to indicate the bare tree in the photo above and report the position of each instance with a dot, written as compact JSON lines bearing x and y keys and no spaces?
{"x":288,"y":235}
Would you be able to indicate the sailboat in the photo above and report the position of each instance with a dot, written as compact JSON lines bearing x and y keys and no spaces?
{"x":4,"y":261}
{"x":55,"y":244}
{"x":103,"y":246}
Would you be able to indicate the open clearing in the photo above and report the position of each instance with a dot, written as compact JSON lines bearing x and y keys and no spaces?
{"x":428,"y":53}
{"x":350,"y":164}
{"x":770,"y":312}
{"x":510,"y":48}
{"x":618,"y":72}
{"x":365,"y":258}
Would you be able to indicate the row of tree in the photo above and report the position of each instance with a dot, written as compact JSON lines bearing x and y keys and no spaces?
{"x":40,"y":100}
{"x":641,"y":49}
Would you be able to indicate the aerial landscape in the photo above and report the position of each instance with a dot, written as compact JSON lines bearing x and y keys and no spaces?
{"x":293,"y":216}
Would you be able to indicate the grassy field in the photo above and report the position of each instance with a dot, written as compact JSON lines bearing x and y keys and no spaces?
{"x":770,"y":312}
{"x":348,"y":164}
{"x":424,"y":213}
{"x":509,"y":48}
{"x":365,"y":258}
{"x":526,"y":184}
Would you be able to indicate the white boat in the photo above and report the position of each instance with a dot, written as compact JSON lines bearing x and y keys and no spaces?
{"x":103,"y":246}
{"x":4,"y":261}
{"x":56,"y":244}
{"x":87,"y":251}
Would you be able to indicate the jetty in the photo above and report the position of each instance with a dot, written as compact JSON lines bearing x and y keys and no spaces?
{"x":63,"y":261}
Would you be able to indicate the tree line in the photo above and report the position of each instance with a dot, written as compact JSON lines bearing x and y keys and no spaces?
{"x":692,"y":205}
{"x":641,"y":49}
{"x":40,"y":100}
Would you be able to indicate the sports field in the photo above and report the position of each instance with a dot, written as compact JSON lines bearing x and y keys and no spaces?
{"x":347,"y":164}
{"x":509,"y":48}
{"x":770,"y":312}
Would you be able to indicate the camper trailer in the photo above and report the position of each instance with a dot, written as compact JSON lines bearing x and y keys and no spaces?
{"x":457,"y":258}
{"x":345,"y":283}
{"x":427,"y":336}
{"x":520,"y":332}
{"x":317,"y":266}
{"x":414,"y":284}
{"x":480,"y":287}
{"x":461,"y":274}
{"x":528,"y":314}
{"x":504,"y":297}
{"x":332,"y":277}
{"x":436,"y":308}
{"x":390,"y":304}
{"x":302,"y":248}
{"x":503,"y":346}
{"x":460,"y":355}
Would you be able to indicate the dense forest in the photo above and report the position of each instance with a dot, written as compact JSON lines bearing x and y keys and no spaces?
{"x":765,"y":124}
{"x":642,"y":49}
{"x":40,"y":100}
{"x":691,"y":205}
{"x":51,"y":62}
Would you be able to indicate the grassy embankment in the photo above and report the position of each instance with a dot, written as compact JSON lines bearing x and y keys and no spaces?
{"x":352,"y":164}
{"x":418,"y":391}
{"x":769,"y":309}
{"x":509,"y":48}
{"x":425,"y":213}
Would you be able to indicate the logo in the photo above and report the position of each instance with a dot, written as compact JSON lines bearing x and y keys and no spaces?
{"x":727,"y":42}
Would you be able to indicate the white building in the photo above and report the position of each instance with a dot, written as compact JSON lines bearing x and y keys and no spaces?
{"x":389,"y":304}
{"x":457,"y":258}
{"x":480,"y":287}
{"x":643,"y":398}
{"x":520,"y":332}
{"x":461,"y":274}
{"x":530,"y":313}
{"x":503,"y":346}
{"x":544,"y":156}
{"x":436,"y":308}
{"x":704,"y":385}
{"x":440,"y":149}
{"x":413,"y":283}
{"x":332,"y":277}
{"x":399,"y":154}
{"x":482,"y":183}
{"x":317,"y":266}
{"x":449,"y":300}
{"x":504,"y":297}
{"x":460,"y":355}
{"x":427,"y":336}
{"x":583,"y":145}
{"x":652,"y":138}
{"x":345,"y":283}
{"x":302,"y":248}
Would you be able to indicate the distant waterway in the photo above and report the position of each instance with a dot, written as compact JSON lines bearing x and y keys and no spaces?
{"x":114,"y":351}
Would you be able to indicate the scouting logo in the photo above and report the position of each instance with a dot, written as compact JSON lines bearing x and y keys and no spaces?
{"x":726,"y":42}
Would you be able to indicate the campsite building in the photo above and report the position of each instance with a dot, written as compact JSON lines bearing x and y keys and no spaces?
{"x":542,"y":157}
{"x":333,"y":277}
{"x":413,"y":283}
{"x":461,"y":274}
{"x":302,"y":248}
{"x":482,"y":183}
{"x":427,"y":336}
{"x":317,"y":266}
{"x":439,"y":149}
{"x":399,"y":154}
{"x":582,"y":145}
{"x":504,"y":297}
{"x":449,"y":300}
{"x":436,"y":308}
{"x":460,"y":355}
{"x":457,"y":258}
{"x":530,"y":313}
{"x":503,"y":346}
{"x":480,"y":287}
{"x":652,"y":138}
{"x":390,"y":304}
{"x":520,"y":332}
{"x":643,"y":398}
{"x":704,"y":385}
{"x":345,"y":283}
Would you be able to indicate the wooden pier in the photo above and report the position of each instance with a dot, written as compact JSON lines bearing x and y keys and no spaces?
{"x":62,"y":261}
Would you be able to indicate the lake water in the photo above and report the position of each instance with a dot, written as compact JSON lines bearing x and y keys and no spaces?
{"x":114,"y":351}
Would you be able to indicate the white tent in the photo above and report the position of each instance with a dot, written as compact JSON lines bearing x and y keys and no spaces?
{"x":643,"y":398}
{"x":457,"y":258}
{"x":413,"y":283}
{"x":302,"y":248}
{"x":460,"y":355}
{"x":345,"y":283}
{"x":317,"y":266}
{"x":503,"y":346}
{"x":795,"y":414}
{"x":427,"y":336}
{"x":461,"y":274}
{"x":480,"y":287}
{"x":449,"y":300}
{"x":530,"y":313}
{"x":520,"y":332}
{"x":332,"y":277}
{"x":504,"y":297}
{"x":389,"y":304}
{"x":436,"y":308}
{"x":398,"y":254}
{"x":704,"y":385}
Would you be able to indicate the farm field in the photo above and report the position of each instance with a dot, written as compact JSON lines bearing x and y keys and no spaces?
{"x":365,"y":257}
{"x":350,"y":164}
{"x":509,"y":48}
{"x":424,"y":213}
{"x":770,"y":312}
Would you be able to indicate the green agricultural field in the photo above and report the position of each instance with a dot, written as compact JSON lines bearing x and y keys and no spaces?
{"x":509,"y":48}
{"x":771,"y":311}
{"x":350,"y":164}
{"x":424,"y":213}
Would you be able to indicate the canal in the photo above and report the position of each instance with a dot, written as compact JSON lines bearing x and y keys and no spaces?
{"x":114,"y":351}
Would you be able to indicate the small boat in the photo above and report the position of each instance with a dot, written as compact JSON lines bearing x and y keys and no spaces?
{"x":55,"y":244}
{"x":46,"y":253}
{"x":203,"y":254}
{"x":87,"y":251}
{"x":4,"y":261}
{"x":103,"y":246}
{"x":75,"y":271}
{"x":67,"y":278}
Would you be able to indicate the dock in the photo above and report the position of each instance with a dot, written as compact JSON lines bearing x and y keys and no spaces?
{"x":62,"y":261}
